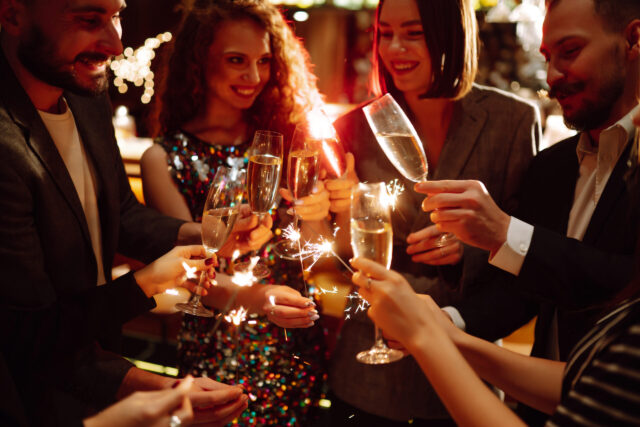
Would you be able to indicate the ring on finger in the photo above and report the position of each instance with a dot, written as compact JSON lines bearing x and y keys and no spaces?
{"x":175,"y":421}
{"x":273,"y":312}
{"x":368,"y":283}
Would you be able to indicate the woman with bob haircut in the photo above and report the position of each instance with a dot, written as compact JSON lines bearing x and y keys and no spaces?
{"x":425,"y":56}
{"x":236,"y":67}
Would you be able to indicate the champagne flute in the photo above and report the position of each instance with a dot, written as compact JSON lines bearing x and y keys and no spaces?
{"x":218,"y":218}
{"x":372,"y":238}
{"x":265,"y":164}
{"x":302,"y":175}
{"x":400,"y":142}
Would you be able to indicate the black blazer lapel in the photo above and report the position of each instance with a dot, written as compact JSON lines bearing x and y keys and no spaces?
{"x":94,"y":128}
{"x":612,"y":193}
{"x":25,"y":115}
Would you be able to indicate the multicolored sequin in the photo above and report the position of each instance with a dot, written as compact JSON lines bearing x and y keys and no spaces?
{"x":284,"y":375}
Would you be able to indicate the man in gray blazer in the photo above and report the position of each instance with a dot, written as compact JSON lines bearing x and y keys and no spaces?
{"x":65,"y":208}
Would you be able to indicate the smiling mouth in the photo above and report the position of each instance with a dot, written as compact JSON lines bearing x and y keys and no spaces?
{"x":403,"y":66}
{"x":93,"y":64}
{"x":245,"y":91}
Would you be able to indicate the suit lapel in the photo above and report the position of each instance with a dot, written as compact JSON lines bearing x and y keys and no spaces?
{"x":614,"y":189}
{"x":39,"y":141}
{"x":96,"y":140}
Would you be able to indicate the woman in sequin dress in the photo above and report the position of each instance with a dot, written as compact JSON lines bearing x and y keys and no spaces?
{"x":234,"y":68}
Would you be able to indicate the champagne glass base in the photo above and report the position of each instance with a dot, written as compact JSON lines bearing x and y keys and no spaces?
{"x":260,"y":271}
{"x":379,"y":355}
{"x":445,"y":239}
{"x":286,"y":249}
{"x":194,"y":308}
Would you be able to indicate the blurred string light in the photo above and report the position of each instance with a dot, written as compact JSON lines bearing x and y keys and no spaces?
{"x":134,"y":66}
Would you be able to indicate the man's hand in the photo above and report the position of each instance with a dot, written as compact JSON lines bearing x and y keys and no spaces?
{"x":214,"y":403}
{"x":465,"y":209}
{"x":424,"y":247}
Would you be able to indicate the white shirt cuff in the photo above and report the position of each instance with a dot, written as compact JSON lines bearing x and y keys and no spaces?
{"x":456,"y":318}
{"x":511,"y":254}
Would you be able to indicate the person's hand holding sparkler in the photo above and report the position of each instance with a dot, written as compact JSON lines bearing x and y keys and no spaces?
{"x":340,"y":188}
{"x":285,"y":307}
{"x":425,"y":246}
{"x":249,"y":233}
{"x":314,"y":207}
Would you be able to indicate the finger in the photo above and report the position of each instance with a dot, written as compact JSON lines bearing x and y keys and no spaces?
{"x":292,"y":299}
{"x":425,"y":233}
{"x":211,"y":398}
{"x":286,"y":194}
{"x":190,"y":251}
{"x":286,"y":312}
{"x":350,"y":162}
{"x":344,"y":193}
{"x":292,"y":323}
{"x":171,"y":398}
{"x":397,"y":346}
{"x":199,"y":264}
{"x":221,"y":412}
{"x":371,"y":268}
{"x":446,"y":260}
{"x":334,"y":185}
{"x":443,"y":186}
{"x":340,"y":206}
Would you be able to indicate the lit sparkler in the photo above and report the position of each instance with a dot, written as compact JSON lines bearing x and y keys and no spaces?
{"x":246,"y":278}
{"x":236,"y":317}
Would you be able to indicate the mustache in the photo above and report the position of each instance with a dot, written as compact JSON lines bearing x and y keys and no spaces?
{"x":92,"y":56}
{"x":565,"y":89}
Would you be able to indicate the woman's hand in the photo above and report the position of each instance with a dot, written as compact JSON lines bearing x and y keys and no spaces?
{"x":314,"y":207}
{"x":286,"y":308}
{"x":148,"y":408}
{"x":248,"y":234}
{"x":168,"y":271}
{"x":340,"y":188}
{"x":215,"y":403}
{"x":402,"y":314}
{"x":423,"y":247}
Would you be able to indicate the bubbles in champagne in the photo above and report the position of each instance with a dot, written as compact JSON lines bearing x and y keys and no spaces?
{"x":372,"y":239}
{"x":405,"y":153}
{"x":216,"y":227}
{"x":302,"y":172}
{"x":264,"y":180}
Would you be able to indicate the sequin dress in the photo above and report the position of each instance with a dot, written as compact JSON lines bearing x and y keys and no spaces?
{"x":283,"y":376}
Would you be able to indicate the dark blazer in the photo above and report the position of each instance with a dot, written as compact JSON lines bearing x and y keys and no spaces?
{"x":560,"y":274}
{"x":55,"y":321}
{"x":492,"y":137}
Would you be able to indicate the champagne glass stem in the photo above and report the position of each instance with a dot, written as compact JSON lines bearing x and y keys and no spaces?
{"x":198,"y":289}
{"x":379,"y":341}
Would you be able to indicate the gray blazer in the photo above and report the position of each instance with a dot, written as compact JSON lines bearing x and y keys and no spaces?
{"x":492,"y":138}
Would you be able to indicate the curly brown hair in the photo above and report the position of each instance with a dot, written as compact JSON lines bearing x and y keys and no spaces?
{"x":284,"y":101}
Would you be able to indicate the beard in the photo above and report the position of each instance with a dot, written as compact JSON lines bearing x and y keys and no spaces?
{"x":38,"y":55}
{"x":592,"y":113}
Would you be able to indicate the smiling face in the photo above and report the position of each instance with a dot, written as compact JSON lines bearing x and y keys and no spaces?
{"x":402,"y":46}
{"x":68,"y":43}
{"x":239,"y":63}
{"x":586,"y":64}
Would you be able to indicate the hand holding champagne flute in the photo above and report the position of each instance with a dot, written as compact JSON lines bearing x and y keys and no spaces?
{"x":265,"y":164}
{"x":302,"y":176}
{"x":218,"y":218}
{"x":400,"y":142}
{"x":372,"y":238}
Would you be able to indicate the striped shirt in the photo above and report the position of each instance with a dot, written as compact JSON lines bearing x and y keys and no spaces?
{"x":601,"y":385}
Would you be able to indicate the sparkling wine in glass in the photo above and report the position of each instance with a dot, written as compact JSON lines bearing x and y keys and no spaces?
{"x":302,"y":175}
{"x":218,"y":218}
{"x":263,"y":181}
{"x":400,"y":142}
{"x":372,"y":238}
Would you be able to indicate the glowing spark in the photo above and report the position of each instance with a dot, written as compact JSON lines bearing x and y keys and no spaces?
{"x":235,"y":255}
{"x":253,"y":397}
{"x":252,"y":322}
{"x":236,"y":316}
{"x":171,"y":292}
{"x":189,"y":271}
{"x":272,"y":299}
{"x":291,"y":233}
{"x":317,"y":251}
{"x":326,"y":291}
{"x":246,"y":278}
{"x":394,"y":189}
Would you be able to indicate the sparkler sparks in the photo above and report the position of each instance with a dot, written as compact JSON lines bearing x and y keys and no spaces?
{"x":246,"y":278}
{"x":236,"y":316}
{"x":190,"y":272}
{"x":394,"y":189}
